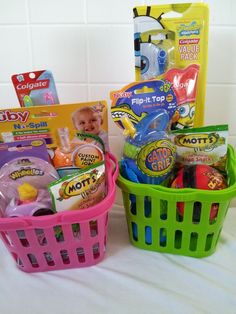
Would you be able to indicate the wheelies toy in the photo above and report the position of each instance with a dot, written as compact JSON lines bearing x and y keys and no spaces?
{"x":31,"y":202}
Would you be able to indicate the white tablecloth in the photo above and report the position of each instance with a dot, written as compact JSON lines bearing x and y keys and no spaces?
{"x":128,"y":280}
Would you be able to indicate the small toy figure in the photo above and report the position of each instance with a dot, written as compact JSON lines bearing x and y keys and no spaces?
{"x":31,"y":202}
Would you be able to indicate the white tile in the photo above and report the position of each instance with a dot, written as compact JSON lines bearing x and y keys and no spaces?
{"x":222,"y":51}
{"x":221,"y":12}
{"x":155,"y":2}
{"x":13,"y":12}
{"x":14,"y":52}
{"x":232,"y":141}
{"x":54,"y":11}
{"x":111,"y":54}
{"x":8,"y":98}
{"x":72,"y":93}
{"x":102,"y":91}
{"x":61,"y":50}
{"x":119,"y":198}
{"x":220,"y":106}
{"x":106,"y":11}
{"x":116,"y":145}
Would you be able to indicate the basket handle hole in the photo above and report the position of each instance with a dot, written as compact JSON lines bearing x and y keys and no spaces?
{"x":178,"y":239}
{"x":80,"y":254}
{"x":65,"y":256}
{"x":197,"y":209}
{"x":96,"y":251}
{"x":33,"y":260}
{"x":133,"y":207}
{"x":209,"y":239}
{"x":58,"y":232}
{"x":93,"y":226}
{"x":193,"y":241}
{"x":147,"y":206}
{"x":76,"y":230}
{"x":214,"y":213}
{"x":41,"y":236}
{"x":148,"y":235}
{"x":134,"y":231}
{"x":163,"y":237}
{"x":22,"y":237}
{"x":49,"y":258}
{"x":163,"y":209}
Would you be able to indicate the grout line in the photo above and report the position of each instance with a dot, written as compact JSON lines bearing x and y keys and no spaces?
{"x":119,"y":83}
{"x":220,"y":84}
{"x":87,"y":51}
{"x":223,"y":25}
{"x":79,"y":83}
{"x":85,"y":12}
{"x":29,"y":33}
{"x":95,"y":24}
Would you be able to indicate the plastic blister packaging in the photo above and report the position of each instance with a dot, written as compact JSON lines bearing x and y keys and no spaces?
{"x":24,"y":179}
{"x":156,"y":53}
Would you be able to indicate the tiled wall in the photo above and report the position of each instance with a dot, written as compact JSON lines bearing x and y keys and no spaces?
{"x":88,"y":45}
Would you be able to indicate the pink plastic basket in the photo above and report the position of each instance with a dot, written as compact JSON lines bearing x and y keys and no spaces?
{"x":64,"y":240}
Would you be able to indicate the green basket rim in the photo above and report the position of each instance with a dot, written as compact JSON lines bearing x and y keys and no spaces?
{"x":185,"y":193}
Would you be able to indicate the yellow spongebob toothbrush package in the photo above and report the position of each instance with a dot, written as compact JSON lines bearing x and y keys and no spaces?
{"x":75,"y":134}
{"x":171,"y":42}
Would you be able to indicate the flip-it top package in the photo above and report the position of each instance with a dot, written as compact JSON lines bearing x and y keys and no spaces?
{"x":174,"y":37}
{"x":75,"y":134}
{"x":138,"y":99}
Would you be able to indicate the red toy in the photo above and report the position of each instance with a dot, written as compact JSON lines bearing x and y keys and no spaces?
{"x":199,"y":177}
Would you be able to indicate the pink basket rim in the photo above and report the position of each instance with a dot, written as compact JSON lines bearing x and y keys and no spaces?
{"x":92,"y":212}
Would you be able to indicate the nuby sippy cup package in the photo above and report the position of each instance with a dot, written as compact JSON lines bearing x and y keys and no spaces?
{"x":174,"y":36}
{"x":25,"y":173}
{"x":78,"y":154}
{"x":66,"y":129}
{"x":35,"y":88}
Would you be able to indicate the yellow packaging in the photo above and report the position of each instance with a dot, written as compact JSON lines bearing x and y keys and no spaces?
{"x":72,"y":132}
{"x":181,"y":31}
{"x":44,"y":121}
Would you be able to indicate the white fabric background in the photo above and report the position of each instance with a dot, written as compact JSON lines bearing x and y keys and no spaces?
{"x":88,"y":45}
{"x":128,"y":280}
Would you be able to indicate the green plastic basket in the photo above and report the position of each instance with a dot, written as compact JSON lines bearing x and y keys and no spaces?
{"x":154,"y":223}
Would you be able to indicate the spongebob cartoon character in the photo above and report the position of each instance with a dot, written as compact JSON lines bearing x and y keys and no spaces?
{"x":184,"y":116}
{"x":146,"y":52}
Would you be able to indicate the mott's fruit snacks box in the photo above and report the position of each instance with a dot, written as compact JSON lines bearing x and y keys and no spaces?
{"x":56,"y":124}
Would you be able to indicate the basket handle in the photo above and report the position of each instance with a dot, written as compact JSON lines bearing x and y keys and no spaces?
{"x":115,"y":168}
